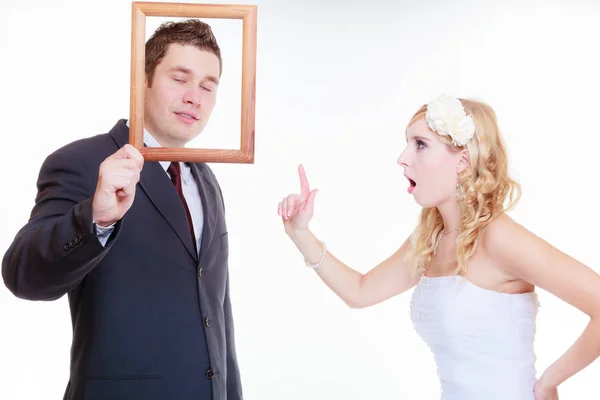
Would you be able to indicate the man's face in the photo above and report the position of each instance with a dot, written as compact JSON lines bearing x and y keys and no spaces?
{"x":182,"y":96}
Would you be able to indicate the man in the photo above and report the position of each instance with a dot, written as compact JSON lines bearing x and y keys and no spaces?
{"x":145,"y":267}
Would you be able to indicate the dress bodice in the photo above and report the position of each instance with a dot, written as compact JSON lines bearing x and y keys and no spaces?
{"x":482,"y":340}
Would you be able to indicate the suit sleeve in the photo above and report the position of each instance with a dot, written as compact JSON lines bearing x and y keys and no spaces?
{"x":58,"y":246}
{"x":234,"y":384}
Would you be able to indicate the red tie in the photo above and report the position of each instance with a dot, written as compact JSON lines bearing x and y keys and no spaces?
{"x":174,"y":171}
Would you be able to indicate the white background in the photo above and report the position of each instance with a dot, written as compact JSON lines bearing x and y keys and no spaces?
{"x":336,"y":84}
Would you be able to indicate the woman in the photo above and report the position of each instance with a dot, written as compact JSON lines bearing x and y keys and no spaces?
{"x":474,"y":269}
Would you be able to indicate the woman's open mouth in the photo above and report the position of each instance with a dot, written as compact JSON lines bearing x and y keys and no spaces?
{"x":412,"y":184}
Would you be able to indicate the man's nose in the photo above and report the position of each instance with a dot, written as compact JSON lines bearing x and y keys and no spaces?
{"x":192,"y":96}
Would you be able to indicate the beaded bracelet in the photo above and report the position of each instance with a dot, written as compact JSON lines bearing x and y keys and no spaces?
{"x":318,"y":264}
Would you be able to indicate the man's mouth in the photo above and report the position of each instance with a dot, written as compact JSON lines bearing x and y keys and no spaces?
{"x":188,"y":116}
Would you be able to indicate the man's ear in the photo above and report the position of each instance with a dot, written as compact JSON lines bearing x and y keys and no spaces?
{"x":464,"y":161}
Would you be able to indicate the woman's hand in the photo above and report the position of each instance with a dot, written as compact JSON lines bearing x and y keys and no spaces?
{"x":543,"y":393}
{"x":296,"y":210}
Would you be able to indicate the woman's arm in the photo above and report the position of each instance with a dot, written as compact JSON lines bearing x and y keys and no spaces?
{"x":532,"y":259}
{"x":357,"y":290}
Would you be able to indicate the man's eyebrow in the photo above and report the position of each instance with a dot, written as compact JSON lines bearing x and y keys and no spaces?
{"x":181,"y":69}
{"x":211,"y":78}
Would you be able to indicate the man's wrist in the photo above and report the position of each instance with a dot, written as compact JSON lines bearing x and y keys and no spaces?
{"x":104,"y":224}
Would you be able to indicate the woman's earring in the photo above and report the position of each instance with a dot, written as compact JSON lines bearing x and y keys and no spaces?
{"x":459,"y":193}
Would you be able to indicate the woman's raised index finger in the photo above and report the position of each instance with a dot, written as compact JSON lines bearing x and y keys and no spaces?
{"x":304,"y":187}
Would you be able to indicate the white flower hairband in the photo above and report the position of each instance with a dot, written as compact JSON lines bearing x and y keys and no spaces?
{"x":446,"y":116}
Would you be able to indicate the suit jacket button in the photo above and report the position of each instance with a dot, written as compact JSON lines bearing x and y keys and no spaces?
{"x":200,"y":272}
{"x":210,"y":373}
{"x":207,"y":322}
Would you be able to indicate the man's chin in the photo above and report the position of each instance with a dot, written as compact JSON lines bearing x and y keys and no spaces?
{"x":186,"y":136}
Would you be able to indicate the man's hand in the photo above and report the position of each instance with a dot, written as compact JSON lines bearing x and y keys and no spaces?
{"x":117,"y":178}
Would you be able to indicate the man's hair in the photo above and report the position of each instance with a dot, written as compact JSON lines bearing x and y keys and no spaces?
{"x":191,"y":32}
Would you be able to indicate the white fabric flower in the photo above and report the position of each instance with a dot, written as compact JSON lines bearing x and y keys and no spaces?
{"x":446,"y":116}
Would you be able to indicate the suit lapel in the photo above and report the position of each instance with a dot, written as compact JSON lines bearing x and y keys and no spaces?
{"x":209,"y":206}
{"x":155,"y":182}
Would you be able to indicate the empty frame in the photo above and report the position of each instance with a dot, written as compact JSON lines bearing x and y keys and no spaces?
{"x":247,"y":13}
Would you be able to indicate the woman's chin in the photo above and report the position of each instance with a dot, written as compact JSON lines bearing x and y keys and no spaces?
{"x":425,"y":203}
{"x":422,"y":203}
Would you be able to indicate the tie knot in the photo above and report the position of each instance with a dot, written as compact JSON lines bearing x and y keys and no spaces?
{"x":174,"y":169}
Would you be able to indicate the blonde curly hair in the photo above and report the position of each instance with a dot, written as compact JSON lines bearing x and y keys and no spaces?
{"x":487,"y":191}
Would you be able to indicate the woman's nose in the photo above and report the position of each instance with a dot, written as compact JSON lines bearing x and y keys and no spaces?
{"x":403,"y":159}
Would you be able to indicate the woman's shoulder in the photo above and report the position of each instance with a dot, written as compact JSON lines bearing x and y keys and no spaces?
{"x":504,"y":241}
{"x":503,"y":230}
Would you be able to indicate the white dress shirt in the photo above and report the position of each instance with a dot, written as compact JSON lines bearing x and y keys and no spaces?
{"x":189,"y":188}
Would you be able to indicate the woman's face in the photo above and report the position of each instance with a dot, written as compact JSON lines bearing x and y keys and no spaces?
{"x":431,"y":166}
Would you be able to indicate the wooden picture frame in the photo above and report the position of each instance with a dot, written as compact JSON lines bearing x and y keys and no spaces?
{"x":247,"y":13}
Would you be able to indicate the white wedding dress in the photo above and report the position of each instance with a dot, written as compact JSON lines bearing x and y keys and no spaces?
{"x":482,"y":340}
